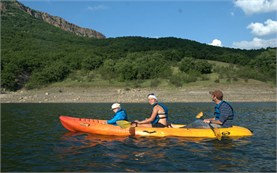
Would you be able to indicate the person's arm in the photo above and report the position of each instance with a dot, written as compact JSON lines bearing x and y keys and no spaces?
{"x":112,"y":121}
{"x":152,"y":117}
{"x":118,"y":116}
{"x":215,"y":122}
{"x":115,"y":118}
{"x":207,"y":120}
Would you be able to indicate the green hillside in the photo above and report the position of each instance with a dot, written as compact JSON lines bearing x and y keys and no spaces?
{"x":36,"y":54}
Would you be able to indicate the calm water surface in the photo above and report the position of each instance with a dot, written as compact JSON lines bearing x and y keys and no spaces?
{"x":34,"y":140}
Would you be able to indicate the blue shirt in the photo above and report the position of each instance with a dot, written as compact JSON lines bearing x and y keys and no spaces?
{"x":119,"y":115}
{"x":224,"y":113}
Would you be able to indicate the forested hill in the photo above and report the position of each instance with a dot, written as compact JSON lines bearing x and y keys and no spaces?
{"x":35,"y":53}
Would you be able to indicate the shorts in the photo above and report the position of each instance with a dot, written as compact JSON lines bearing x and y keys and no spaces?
{"x":158,"y":125}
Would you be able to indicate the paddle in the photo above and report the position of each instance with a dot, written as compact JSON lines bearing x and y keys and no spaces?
{"x":199,"y":115}
{"x":214,"y":129}
{"x":216,"y":132}
{"x":123,"y":124}
{"x":126,"y":124}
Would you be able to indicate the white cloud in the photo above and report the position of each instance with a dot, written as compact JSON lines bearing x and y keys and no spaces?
{"x":216,"y":42}
{"x":260,"y":29}
{"x":256,"y":6}
{"x":256,"y":43}
{"x":97,"y":7}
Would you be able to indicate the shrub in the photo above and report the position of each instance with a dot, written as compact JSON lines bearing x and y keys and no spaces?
{"x":191,"y":76}
{"x":203,"y":67}
{"x":186,"y":64}
{"x":53,"y":73}
{"x":154,"y":83}
{"x":91,"y":62}
{"x":177,"y":80}
{"x":250,"y":73}
{"x":125,"y":70}
{"x":217,"y":81}
{"x":108,"y":70}
{"x":138,"y":66}
{"x":204,"y":77}
{"x":190,"y":64}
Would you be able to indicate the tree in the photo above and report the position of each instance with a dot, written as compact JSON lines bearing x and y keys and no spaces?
{"x":57,"y":71}
{"x":186,"y":64}
{"x":91,"y":62}
{"x":125,"y":70}
{"x":108,"y":70}
{"x":203,"y":67}
{"x":190,"y":64}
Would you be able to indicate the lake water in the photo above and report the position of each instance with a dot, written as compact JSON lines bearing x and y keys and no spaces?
{"x":34,"y":140}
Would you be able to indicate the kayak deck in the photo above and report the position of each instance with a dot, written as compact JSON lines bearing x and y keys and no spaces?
{"x":96,"y":126}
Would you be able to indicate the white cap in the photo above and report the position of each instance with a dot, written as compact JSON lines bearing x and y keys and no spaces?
{"x":152,"y":96}
{"x":115,"y":105}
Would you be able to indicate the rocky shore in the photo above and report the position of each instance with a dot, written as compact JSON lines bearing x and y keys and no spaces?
{"x":137,"y":95}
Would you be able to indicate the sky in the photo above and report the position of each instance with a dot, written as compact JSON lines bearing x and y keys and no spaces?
{"x":244,"y":24}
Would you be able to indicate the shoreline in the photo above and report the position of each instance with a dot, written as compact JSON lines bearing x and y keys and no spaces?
{"x":138,"y":95}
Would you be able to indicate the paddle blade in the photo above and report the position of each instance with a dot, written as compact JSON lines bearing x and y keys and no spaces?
{"x":123,"y":124}
{"x":199,"y":115}
{"x":217,"y":133}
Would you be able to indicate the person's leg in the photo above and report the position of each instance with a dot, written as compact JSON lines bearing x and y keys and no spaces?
{"x":144,"y":125}
{"x":135,"y":124}
{"x":216,"y":125}
{"x":198,"y":124}
{"x":159,"y":125}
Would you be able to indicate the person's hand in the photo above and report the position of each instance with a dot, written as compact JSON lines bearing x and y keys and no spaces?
{"x":104,"y":123}
{"x":136,"y":121}
{"x":206,"y":121}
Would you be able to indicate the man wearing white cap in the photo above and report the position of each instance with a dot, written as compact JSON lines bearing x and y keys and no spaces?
{"x":120,"y":114}
{"x":159,"y":116}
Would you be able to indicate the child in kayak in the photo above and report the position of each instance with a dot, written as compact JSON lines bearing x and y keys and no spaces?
{"x":159,"y":116}
{"x":120,"y":114}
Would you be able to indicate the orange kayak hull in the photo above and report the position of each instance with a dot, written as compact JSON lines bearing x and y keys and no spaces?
{"x":94,"y":126}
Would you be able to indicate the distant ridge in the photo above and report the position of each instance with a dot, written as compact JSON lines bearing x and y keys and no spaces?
{"x":56,"y":21}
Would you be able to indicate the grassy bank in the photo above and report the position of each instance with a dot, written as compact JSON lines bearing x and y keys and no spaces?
{"x":87,"y":79}
{"x":72,"y":92}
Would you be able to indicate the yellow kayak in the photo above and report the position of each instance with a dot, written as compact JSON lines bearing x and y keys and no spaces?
{"x":234,"y":131}
{"x":95,"y":126}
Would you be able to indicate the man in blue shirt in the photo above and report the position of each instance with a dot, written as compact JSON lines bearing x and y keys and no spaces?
{"x":120,"y":114}
{"x":224,"y":113}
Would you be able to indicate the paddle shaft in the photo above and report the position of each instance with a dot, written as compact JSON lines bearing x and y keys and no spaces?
{"x":214,"y":129}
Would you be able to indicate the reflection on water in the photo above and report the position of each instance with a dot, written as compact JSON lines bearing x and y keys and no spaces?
{"x":118,"y":152}
{"x":34,"y":140}
{"x":90,"y":140}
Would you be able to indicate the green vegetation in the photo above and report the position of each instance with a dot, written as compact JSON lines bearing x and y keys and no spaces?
{"x":36,"y":54}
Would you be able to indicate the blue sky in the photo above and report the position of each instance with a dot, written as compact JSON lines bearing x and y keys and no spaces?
{"x":246,"y":24}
